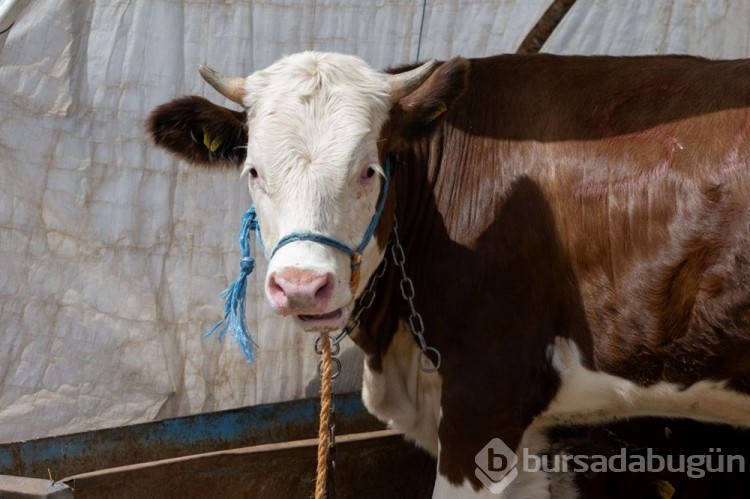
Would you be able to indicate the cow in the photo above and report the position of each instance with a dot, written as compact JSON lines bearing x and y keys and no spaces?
{"x":574,"y":232}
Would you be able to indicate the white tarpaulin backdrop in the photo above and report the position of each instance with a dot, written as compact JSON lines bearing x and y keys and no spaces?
{"x":112,"y":254}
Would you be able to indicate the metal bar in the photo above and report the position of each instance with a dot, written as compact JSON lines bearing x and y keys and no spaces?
{"x":68,"y":455}
{"x":544,"y":28}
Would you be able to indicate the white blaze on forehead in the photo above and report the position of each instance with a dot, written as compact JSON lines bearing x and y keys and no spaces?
{"x":313,"y":108}
{"x":313,"y":120}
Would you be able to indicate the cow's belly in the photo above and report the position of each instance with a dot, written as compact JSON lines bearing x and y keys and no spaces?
{"x":587,"y":396}
{"x":402,"y":395}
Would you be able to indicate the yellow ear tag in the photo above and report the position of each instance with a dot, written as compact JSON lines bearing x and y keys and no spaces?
{"x":440,"y":110}
{"x":665,"y":489}
{"x":211,"y":143}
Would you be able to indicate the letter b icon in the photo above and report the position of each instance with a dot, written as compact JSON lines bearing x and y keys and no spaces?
{"x":496,"y":465}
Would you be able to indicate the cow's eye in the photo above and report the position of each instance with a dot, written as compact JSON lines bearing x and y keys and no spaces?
{"x":253,"y":172}
{"x":369,"y":171}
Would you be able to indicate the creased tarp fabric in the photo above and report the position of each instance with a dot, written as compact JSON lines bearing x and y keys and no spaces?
{"x":112,"y":253}
{"x":9,"y":11}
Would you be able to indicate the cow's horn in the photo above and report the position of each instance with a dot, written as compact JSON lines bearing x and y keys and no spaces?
{"x":402,"y":84}
{"x":233,"y":88}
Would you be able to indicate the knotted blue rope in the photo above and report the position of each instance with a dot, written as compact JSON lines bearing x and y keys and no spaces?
{"x":234,"y":295}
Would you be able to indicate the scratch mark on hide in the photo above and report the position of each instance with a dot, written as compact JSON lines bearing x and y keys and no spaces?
{"x":643,"y":176}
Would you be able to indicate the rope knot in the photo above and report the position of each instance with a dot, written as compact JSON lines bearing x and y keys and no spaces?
{"x":247,"y":264}
{"x":356,"y":260}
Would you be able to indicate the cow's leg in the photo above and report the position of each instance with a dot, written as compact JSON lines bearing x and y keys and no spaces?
{"x":531,"y":482}
{"x":484,"y":439}
{"x":523,"y":481}
{"x":446,"y":490}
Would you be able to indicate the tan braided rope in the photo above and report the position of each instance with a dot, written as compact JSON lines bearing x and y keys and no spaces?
{"x":326,"y":396}
{"x":324,"y":435}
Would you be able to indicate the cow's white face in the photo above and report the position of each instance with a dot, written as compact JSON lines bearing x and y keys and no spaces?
{"x":312,"y":166}
{"x":308,"y":140}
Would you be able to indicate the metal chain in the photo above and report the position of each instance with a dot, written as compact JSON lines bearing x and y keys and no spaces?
{"x":416,"y":324}
{"x":365,"y":302}
{"x":332,"y":451}
{"x":335,"y":362}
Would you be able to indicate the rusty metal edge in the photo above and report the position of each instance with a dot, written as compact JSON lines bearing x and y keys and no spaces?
{"x":72,"y":454}
{"x":114,"y":475}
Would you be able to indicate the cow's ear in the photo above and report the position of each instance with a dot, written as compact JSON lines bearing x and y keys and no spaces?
{"x":418,"y":114}
{"x":200,"y":131}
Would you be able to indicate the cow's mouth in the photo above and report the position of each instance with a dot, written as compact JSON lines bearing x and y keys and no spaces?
{"x":323,"y":322}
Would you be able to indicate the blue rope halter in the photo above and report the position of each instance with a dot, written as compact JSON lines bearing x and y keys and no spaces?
{"x":234,"y":295}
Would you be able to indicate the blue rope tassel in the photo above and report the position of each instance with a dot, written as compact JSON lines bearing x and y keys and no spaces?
{"x":234,"y":295}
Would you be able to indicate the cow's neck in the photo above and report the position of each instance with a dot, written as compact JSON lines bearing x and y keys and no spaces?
{"x":394,"y":387}
{"x":419,"y":221}
{"x":421,"y":182}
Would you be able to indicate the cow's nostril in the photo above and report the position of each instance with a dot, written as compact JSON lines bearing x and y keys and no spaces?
{"x":324,"y":292}
{"x":277,"y":292}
